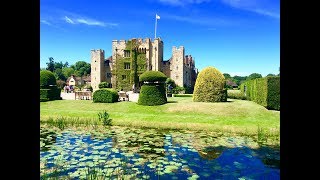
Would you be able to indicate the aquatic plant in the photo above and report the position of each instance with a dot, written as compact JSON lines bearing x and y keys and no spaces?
{"x":104,"y":117}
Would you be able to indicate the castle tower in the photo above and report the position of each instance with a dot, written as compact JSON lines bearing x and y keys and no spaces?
{"x":177,"y":65}
{"x":157,"y":54}
{"x":97,"y":68}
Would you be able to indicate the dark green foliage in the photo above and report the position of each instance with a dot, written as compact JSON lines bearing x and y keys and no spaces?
{"x":182,"y":95}
{"x":171,"y":82}
{"x":254,"y":76}
{"x":105,"y":96}
{"x":52,"y":93}
{"x":152,"y":76}
{"x":81,"y":68}
{"x":178,"y":90}
{"x":152,"y":95}
{"x":61,"y":84}
{"x":209,"y":86}
{"x":47,"y":78}
{"x":273,"y":99}
{"x":264,"y":91}
{"x":104,"y":85}
{"x":50,"y":64}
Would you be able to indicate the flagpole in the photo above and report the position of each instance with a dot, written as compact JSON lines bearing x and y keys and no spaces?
{"x":155,"y":29}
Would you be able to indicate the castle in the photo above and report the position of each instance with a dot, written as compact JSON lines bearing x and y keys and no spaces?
{"x":133,"y":57}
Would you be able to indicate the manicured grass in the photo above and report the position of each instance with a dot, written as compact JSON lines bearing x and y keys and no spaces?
{"x":237,"y":116}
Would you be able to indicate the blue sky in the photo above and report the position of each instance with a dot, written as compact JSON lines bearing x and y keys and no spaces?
{"x":238,"y":37}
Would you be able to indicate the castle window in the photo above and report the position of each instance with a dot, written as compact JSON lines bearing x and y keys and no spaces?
{"x":126,"y":53}
{"x":126,"y":65}
{"x":177,"y":67}
{"x":108,"y":75}
{"x":124,"y":77}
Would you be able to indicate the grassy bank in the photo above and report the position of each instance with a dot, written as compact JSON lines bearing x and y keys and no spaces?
{"x":237,"y":116}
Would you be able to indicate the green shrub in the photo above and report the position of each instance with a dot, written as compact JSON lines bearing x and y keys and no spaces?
{"x":104,"y":118}
{"x":103,"y":85}
{"x":178,"y":90}
{"x":47,"y":78}
{"x":263,"y":91}
{"x":152,"y":76}
{"x":105,"y":96}
{"x":152,"y":95}
{"x":52,"y":93}
{"x":171,"y":82}
{"x":182,"y":95}
{"x":209,"y":86}
{"x":236,"y":94}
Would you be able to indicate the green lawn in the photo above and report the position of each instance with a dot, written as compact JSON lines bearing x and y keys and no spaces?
{"x":237,"y":116}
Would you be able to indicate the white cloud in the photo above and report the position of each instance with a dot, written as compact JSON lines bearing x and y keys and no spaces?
{"x":45,"y":22}
{"x":208,"y":21}
{"x":91,"y":22}
{"x":68,"y":20}
{"x":262,"y":7}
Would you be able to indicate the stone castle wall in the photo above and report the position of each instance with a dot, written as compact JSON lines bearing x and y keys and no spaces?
{"x":180,"y":68}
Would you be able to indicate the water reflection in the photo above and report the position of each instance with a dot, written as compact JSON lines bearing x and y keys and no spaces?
{"x":137,"y":153}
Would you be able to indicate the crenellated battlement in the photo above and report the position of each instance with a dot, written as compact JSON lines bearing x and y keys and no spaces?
{"x":174,"y":48}
{"x":119,"y":42}
{"x":97,"y":51}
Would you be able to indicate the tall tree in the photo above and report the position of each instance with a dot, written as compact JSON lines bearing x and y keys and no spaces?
{"x":66,"y":64}
{"x":271,"y":75}
{"x":227,"y":76}
{"x":58,"y":65}
{"x":239,"y":79}
{"x":59,"y":75}
{"x":50,"y":64}
{"x":81,"y":68}
{"x":67,"y":72}
{"x":254,"y":76}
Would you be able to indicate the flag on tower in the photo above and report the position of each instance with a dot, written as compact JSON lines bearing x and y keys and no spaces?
{"x":157,"y":16}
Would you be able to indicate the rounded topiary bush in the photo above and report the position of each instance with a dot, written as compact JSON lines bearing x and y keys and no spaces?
{"x":210,"y":86}
{"x":153,"y":91}
{"x":152,"y":95}
{"x":105,"y":96}
{"x":47,"y":78}
{"x":152,"y":76}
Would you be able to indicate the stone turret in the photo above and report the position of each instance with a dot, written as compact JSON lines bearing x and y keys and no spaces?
{"x":177,"y":65}
{"x":97,"y":68}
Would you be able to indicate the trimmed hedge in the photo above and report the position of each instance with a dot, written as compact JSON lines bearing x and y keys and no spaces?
{"x":51,"y":93}
{"x":263,"y":91}
{"x":105,"y":96}
{"x":152,"y":76}
{"x":182,"y":95}
{"x":152,"y":95}
{"x":209,"y":86}
{"x":236,"y":94}
{"x":47,"y":78}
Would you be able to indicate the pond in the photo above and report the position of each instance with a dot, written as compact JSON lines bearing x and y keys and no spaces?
{"x":130,"y":153}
